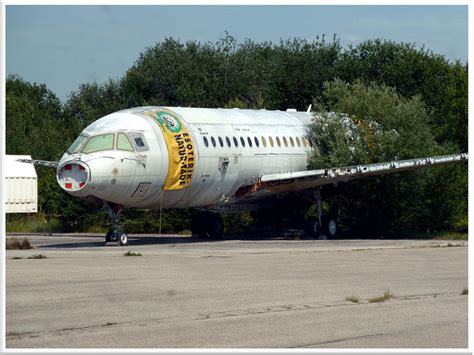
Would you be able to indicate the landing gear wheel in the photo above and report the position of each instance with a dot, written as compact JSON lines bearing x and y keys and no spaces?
{"x":123,"y":239}
{"x":311,"y":227}
{"x":330,"y":227}
{"x":109,"y":236}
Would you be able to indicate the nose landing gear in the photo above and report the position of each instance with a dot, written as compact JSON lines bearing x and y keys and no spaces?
{"x":116,"y":233}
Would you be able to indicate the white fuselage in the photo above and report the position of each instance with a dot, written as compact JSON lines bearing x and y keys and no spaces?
{"x":231,"y":148}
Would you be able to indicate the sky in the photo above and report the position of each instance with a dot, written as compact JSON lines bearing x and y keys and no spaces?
{"x":65,"y":46}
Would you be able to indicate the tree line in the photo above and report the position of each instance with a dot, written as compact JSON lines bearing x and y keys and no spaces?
{"x":416,"y":100}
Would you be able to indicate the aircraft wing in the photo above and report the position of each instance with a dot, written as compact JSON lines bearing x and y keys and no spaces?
{"x":49,"y":164}
{"x":301,"y":180}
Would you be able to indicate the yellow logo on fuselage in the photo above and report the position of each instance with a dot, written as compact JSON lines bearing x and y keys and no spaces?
{"x":181,"y":158}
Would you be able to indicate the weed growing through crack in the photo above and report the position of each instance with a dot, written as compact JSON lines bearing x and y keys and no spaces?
{"x":38,"y":256}
{"x":354,"y":299}
{"x":129,"y":253}
{"x":386,"y":296}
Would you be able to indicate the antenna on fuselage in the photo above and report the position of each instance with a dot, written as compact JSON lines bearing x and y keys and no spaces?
{"x":309,"y":108}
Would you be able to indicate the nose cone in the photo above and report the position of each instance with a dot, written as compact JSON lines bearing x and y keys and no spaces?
{"x":73,"y":176}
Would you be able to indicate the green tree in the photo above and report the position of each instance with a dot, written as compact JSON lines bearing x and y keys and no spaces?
{"x":365,"y":123}
{"x":441,"y":86}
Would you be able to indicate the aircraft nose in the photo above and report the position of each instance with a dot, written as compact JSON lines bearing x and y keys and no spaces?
{"x":72,"y":176}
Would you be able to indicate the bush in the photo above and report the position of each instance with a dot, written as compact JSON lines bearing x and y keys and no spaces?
{"x":16,"y":244}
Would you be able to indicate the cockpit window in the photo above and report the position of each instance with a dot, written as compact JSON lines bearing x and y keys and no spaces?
{"x":76,"y":146}
{"x":123,"y":143}
{"x":139,"y":142}
{"x":97,"y":143}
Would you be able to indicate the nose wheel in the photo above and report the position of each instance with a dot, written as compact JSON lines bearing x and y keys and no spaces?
{"x":116,"y":233}
{"x":120,"y":237}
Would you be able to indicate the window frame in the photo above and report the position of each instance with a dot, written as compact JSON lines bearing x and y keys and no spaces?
{"x":128,"y":140}
{"x":134,"y":135}
{"x":98,"y":150}
{"x":79,"y":148}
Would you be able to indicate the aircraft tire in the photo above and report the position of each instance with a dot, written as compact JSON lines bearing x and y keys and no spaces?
{"x":330,"y":227}
{"x":123,"y":239}
{"x":108,"y":236}
{"x":311,"y":227}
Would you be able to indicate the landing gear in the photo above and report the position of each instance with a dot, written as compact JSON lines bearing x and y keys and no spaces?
{"x":322,"y":225}
{"x":312,"y":228}
{"x":207,"y":225}
{"x":116,"y":233}
{"x":329,"y":226}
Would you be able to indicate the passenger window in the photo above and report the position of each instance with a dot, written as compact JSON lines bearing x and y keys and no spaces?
{"x":221,"y":142}
{"x":249,"y":142}
{"x":271,"y":140}
{"x":236,"y":143}
{"x":264,"y":142}
{"x":304,"y":141}
{"x":228,"y":141}
{"x":256,"y":142}
{"x":123,"y":143}
{"x":285,"y":141}
{"x":278,"y":141}
{"x":206,"y":142}
{"x":98,"y":143}
{"x":292,"y":142}
{"x":213,"y":141}
{"x":242,"y":141}
{"x":298,"y":142}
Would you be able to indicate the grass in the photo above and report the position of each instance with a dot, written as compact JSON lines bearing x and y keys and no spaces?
{"x":464,"y":292}
{"x":386,"y":296}
{"x":451,"y":236}
{"x":38,"y":256}
{"x":129,"y":253}
{"x":354,"y":299}
{"x":32,"y":225}
{"x":438,"y":235}
{"x":17,"y":244}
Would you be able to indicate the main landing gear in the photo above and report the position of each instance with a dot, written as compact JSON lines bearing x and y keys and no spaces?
{"x":322,"y":225}
{"x":207,"y":225}
{"x":116,"y":233}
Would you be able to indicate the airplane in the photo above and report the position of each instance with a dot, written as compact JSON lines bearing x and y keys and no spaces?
{"x":216,"y":160}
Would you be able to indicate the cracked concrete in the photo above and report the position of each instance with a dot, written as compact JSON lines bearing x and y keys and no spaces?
{"x":236,"y":294}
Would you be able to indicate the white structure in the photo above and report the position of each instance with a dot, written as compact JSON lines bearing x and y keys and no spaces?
{"x":21,"y":185}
